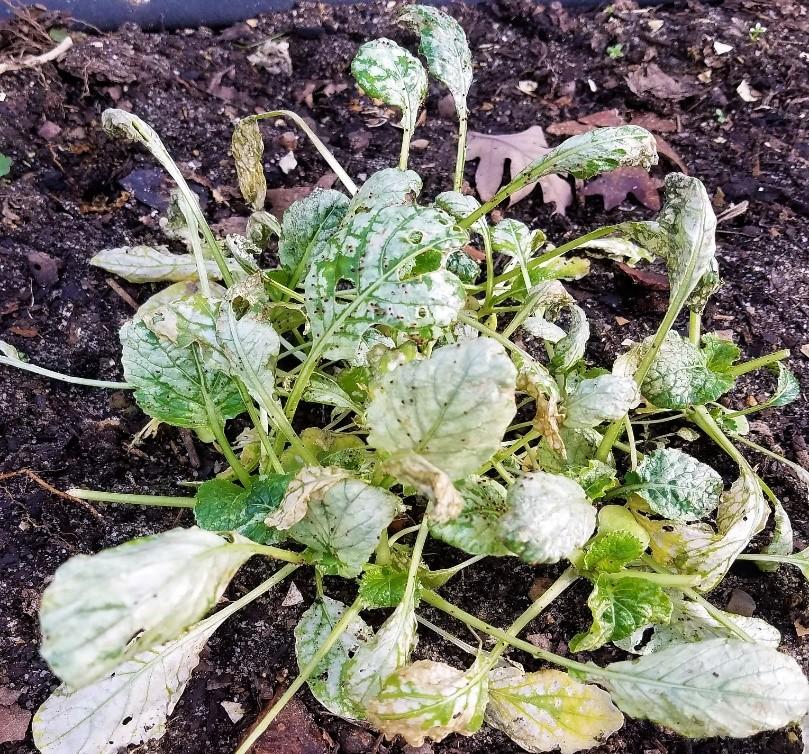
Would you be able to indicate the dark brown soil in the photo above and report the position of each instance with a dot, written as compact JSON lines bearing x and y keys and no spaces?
{"x":63,"y":201}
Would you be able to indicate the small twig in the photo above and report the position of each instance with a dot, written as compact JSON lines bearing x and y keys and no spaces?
{"x":34,"y":61}
{"x":118,"y":288}
{"x":188,"y":442}
{"x":38,"y":480}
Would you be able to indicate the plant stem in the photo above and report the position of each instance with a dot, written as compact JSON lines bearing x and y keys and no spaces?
{"x":266,"y":719}
{"x":350,"y":186}
{"x":694,"y":327}
{"x":277,"y":553}
{"x":102,"y":496}
{"x":431,"y":598}
{"x":415,"y":559}
{"x":403,"y":533}
{"x":489,"y":282}
{"x":766,"y":558}
{"x":404,"y":152}
{"x":216,"y":424}
{"x":702,"y":418}
{"x":480,"y":327}
{"x":761,"y":361}
{"x":383,"y":549}
{"x":253,"y":594}
{"x":86,"y":381}
{"x":460,"y":159}
{"x":451,"y":638}
{"x":673,"y":580}
{"x":263,"y":437}
{"x":630,"y":439}
{"x":802,"y":472}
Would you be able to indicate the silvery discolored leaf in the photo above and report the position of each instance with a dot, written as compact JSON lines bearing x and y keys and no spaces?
{"x":388,"y":72}
{"x":310,"y":633}
{"x":548,"y":710}
{"x":153,"y":264}
{"x":430,"y":699}
{"x":342,"y":528}
{"x":384,"y":267}
{"x":307,"y":226}
{"x":308,"y":485}
{"x":247,"y":147}
{"x":385,"y":188}
{"x":676,"y":485}
{"x":518,"y":241}
{"x":415,"y":470}
{"x":443,"y":45}
{"x":167,"y":384}
{"x":549,"y":517}
{"x":104,"y":609}
{"x":717,"y":687}
{"x":389,"y":649}
{"x":607,"y":397}
{"x":460,"y":205}
{"x":452,"y":408}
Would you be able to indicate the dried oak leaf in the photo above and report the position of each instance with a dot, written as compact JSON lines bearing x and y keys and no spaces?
{"x":519,"y":149}
{"x":652,"y":80}
{"x":616,"y":185}
{"x":281,"y":198}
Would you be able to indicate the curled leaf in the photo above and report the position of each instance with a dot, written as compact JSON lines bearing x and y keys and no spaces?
{"x":416,"y":470}
{"x":247,"y":147}
{"x":310,"y":484}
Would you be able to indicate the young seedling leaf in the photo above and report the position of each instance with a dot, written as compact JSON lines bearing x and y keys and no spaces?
{"x":167,"y":385}
{"x":516,"y":240}
{"x":392,"y":259}
{"x":617,"y":518}
{"x":431,"y":699}
{"x":699,"y":550}
{"x":383,"y":585}
{"x":365,"y":673}
{"x":247,"y":147}
{"x":153,"y":264}
{"x":549,"y":516}
{"x":388,"y":72}
{"x":324,"y":390}
{"x":126,"y":707}
{"x":342,"y":528}
{"x":102,"y":610}
{"x":548,"y":710}
{"x":619,"y":606}
{"x":675,"y":485}
{"x":475,"y":529}
{"x":596,"y":478}
{"x":452,"y":409}
{"x":610,"y":551}
{"x":443,"y":45}
{"x":466,"y":269}
{"x":310,"y":634}
{"x":691,"y":622}
{"x":607,"y":397}
{"x":225,"y":506}
{"x":306,"y":228}
{"x":717,"y":687}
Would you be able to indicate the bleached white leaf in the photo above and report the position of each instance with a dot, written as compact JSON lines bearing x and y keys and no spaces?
{"x":154,"y":264}
{"x":593,"y":401}
{"x":310,"y":484}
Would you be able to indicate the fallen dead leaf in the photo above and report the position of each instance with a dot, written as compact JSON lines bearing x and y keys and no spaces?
{"x":446,"y":107}
{"x":747,"y":93}
{"x":421,"y":144}
{"x":621,"y":321}
{"x":281,"y":198}
{"x":654,"y":281}
{"x":741,"y":603}
{"x":234,"y":710}
{"x":293,"y":596}
{"x":273,"y":56}
{"x":14,"y":719}
{"x":721,"y":48}
{"x":652,"y":122}
{"x":288,"y":163}
{"x":616,"y":186}
{"x":527,"y":86}
{"x":800,"y":629}
{"x":520,"y":149}
{"x":804,"y":349}
{"x":651,"y":79}
{"x":292,"y":732}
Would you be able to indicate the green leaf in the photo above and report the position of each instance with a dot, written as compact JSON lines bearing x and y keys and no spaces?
{"x":342,"y":527}
{"x":388,"y":72}
{"x":460,"y":205}
{"x":443,"y":44}
{"x":153,"y":264}
{"x":311,"y":632}
{"x":596,"y":478}
{"x":548,"y":710}
{"x":261,"y":227}
{"x":452,"y":409}
{"x":102,"y":610}
{"x":392,"y":260}
{"x":247,"y":147}
{"x":720,"y":354}
{"x":610,"y":551}
{"x":5,"y":165}
{"x":383,"y":585}
{"x":431,"y":699}
{"x":307,"y":226}
{"x":607,"y":397}
{"x":617,"y":518}
{"x":390,"y":648}
{"x":167,"y":386}
{"x":691,"y":622}
{"x":549,"y":517}
{"x":679,"y":376}
{"x":516,"y":240}
{"x":697,"y":549}
{"x":324,"y":390}
{"x":128,"y":706}
{"x":598,"y":151}
{"x":466,"y":269}
{"x":225,"y":506}
{"x":619,"y":250}
{"x":676,"y":485}
{"x":788,"y":388}
{"x":717,"y":687}
{"x":620,"y":606}
{"x":475,"y":529}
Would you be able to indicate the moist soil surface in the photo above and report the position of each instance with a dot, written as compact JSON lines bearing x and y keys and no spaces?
{"x":71,"y":192}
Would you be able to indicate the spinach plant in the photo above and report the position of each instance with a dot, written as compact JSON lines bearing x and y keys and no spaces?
{"x":442,"y":418}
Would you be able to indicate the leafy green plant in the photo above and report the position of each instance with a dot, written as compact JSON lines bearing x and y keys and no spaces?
{"x":441,"y":419}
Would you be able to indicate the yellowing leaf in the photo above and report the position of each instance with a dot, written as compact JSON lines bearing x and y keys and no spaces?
{"x":309,"y":484}
{"x":547,"y":710}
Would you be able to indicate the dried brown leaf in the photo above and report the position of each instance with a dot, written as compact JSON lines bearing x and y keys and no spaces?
{"x":519,"y":149}
{"x":616,"y":185}
{"x":652,"y":80}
